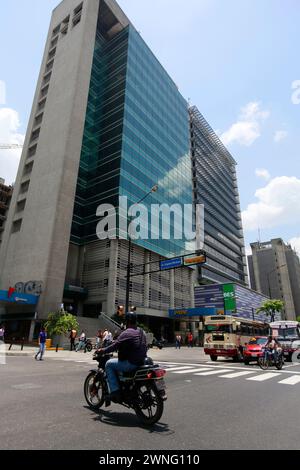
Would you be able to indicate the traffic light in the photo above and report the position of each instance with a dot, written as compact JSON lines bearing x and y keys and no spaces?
{"x":120,"y":311}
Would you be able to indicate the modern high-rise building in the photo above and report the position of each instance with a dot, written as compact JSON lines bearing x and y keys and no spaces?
{"x":5,"y":197}
{"x":215,"y":186}
{"x":274,"y":269}
{"x":107,"y":121}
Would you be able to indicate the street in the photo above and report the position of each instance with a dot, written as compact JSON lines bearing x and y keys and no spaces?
{"x":217,"y":405}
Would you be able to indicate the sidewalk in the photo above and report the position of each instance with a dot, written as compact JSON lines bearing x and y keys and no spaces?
{"x":168,"y":354}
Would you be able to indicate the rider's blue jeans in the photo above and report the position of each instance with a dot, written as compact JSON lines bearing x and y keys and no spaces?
{"x":112,"y":367}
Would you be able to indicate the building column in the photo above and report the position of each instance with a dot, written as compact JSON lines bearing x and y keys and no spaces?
{"x":147,"y":280}
{"x":112,"y":277}
{"x":172,"y":289}
{"x":31,"y":330}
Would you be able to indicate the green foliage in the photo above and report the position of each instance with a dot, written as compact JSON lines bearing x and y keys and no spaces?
{"x":298,"y":318}
{"x":59,"y":323}
{"x":270,"y":307}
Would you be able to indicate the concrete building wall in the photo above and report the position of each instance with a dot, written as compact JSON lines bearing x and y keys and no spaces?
{"x":38,"y":248}
{"x":271,"y":273}
{"x":293,"y":264}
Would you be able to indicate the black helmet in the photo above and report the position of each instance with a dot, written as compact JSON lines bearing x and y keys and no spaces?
{"x":131,"y":317}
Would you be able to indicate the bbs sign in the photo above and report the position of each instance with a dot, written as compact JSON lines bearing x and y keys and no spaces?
{"x":30,"y":287}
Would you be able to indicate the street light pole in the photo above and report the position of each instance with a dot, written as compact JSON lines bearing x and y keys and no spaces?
{"x":128,"y":271}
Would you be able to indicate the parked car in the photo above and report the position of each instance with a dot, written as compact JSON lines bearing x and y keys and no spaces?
{"x":254,"y":349}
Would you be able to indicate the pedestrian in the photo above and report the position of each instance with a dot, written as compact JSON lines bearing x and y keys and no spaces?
{"x":99,"y":339}
{"x":107,"y":338}
{"x":81,"y":343}
{"x":42,"y":343}
{"x":190,"y":339}
{"x":2,"y":333}
{"x":178,"y":341}
{"x":72,"y":337}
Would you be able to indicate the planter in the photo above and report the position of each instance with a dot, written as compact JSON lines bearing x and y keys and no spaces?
{"x":59,"y":340}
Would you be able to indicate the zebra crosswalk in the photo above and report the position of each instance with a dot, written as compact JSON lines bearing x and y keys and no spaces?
{"x":207,"y":369}
{"x":256,"y":375}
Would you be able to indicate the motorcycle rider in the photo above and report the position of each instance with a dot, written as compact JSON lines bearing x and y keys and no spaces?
{"x":271,"y":347}
{"x":131,"y":345}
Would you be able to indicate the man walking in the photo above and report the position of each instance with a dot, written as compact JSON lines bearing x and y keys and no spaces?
{"x":42,"y":341}
{"x":73,"y":335}
{"x":178,"y":341}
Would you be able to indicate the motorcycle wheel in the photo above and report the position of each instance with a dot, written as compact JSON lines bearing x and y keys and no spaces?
{"x":150,"y":406}
{"x":94,"y":392}
{"x":263,"y":363}
{"x":89,"y":347}
{"x":279,"y":363}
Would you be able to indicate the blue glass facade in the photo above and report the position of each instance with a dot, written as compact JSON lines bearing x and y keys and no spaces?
{"x":136,"y":135}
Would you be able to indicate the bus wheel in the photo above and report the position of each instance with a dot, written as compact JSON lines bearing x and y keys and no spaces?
{"x":213,"y":358}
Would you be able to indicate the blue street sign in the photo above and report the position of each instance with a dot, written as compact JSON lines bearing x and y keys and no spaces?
{"x":191,"y":312}
{"x":170,"y":263}
{"x":22,"y":299}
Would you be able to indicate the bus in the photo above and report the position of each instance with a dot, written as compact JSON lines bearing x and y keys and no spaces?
{"x":287,"y":332}
{"x":227,"y":336}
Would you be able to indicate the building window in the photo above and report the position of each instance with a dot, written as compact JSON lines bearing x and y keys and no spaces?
{"x":65,"y":25}
{"x":46,"y":78}
{"x":35,"y":134}
{"x":56,"y":30}
{"x":51,"y":54}
{"x":28,"y":168}
{"x":77,"y":15}
{"x":53,"y":42}
{"x":24,"y":187}
{"x":21,"y":205}
{"x":32,"y":151}
{"x":50,"y":66}
{"x":42,"y":104}
{"x":38,"y":119}
{"x":16,"y":226}
{"x":44,"y":91}
{"x":107,"y":263}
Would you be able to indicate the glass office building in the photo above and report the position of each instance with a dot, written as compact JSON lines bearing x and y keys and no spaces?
{"x":136,"y":135}
{"x":215,"y":186}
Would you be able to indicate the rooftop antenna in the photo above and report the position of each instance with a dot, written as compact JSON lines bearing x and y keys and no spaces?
{"x":259,"y":237}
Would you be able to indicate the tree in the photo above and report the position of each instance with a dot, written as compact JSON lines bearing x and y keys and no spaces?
{"x":59,"y":323}
{"x":298,"y":318}
{"x":270,"y":307}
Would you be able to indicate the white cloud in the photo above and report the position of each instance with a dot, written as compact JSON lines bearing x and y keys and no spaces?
{"x":9,"y":159}
{"x":278,"y":204}
{"x":248,"y":127}
{"x":295,"y":243}
{"x":280,"y":135}
{"x":296,"y":95}
{"x":262,"y":173}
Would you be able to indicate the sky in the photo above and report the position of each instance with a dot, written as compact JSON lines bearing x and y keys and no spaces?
{"x":236,"y":60}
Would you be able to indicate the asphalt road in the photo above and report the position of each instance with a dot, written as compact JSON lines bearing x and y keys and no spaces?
{"x":43,"y":407}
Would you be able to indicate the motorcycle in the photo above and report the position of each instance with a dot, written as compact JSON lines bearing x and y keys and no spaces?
{"x":156,"y":342}
{"x":268,"y":359}
{"x":88,"y":345}
{"x":142,"y":390}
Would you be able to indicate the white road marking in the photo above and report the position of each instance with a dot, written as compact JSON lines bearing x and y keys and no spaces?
{"x":237,"y":374}
{"x":262,"y":377}
{"x":189,"y":371}
{"x":212,"y":372}
{"x":294,"y":379}
{"x":178,"y":368}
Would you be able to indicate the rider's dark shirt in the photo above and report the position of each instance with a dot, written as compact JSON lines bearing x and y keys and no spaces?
{"x":131,"y":346}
